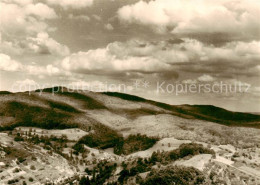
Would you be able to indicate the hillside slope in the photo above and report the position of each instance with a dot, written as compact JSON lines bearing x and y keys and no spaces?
{"x":122,"y":138}
{"x":66,"y":109}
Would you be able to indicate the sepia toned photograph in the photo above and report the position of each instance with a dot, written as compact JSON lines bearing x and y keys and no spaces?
{"x":129,"y":92}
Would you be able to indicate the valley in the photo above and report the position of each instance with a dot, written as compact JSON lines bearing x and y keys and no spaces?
{"x":95,"y":138}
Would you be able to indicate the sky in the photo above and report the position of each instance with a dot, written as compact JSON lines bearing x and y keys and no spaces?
{"x":172,"y":51}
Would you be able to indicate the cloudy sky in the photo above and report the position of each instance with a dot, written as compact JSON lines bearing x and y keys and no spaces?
{"x":137,"y":43}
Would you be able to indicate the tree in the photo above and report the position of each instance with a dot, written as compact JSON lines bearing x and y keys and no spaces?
{"x":84,"y":181}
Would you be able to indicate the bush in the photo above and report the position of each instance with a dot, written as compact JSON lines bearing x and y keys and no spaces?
{"x":32,"y":167}
{"x":18,"y":138}
{"x":16,"y":170}
{"x":31,"y":179}
{"x":13,"y":181}
{"x":21,"y":159}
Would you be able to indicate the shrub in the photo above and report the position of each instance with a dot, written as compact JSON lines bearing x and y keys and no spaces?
{"x":13,"y":181}
{"x":16,"y":170}
{"x":21,"y":159}
{"x":32,"y":167}
{"x":18,"y":138}
{"x":79,"y":148}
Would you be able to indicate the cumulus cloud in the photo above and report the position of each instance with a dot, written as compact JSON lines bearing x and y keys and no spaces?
{"x":43,"y":44}
{"x":8,"y":64}
{"x":196,"y":16}
{"x":76,"y":4}
{"x":109,"y":27}
{"x":43,"y":71}
{"x":25,"y":19}
{"x":24,"y":85}
{"x":26,"y":82}
{"x":40,"y":10}
{"x":167,"y":56}
{"x":103,"y":61}
{"x":10,"y":47}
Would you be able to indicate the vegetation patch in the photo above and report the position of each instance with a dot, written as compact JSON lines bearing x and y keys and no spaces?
{"x":191,"y":149}
{"x":26,"y":115}
{"x":5,"y":92}
{"x":90,"y":103}
{"x":62,"y":106}
{"x":135,"y":113}
{"x":125,"y":96}
{"x":177,"y":175}
{"x":141,"y":165}
{"x":100,"y":173}
{"x":103,"y":137}
{"x":134,"y":143}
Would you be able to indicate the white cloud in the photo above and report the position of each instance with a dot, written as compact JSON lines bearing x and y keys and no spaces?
{"x":206,"y":78}
{"x":52,"y":70}
{"x":42,"y":71}
{"x":8,"y":64}
{"x":196,"y":16}
{"x":102,"y":60}
{"x":44,"y":44}
{"x":40,"y":10}
{"x":26,"y":82}
{"x":41,"y":44}
{"x":76,"y":4}
{"x":25,"y":85}
{"x":11,"y":48}
{"x":109,"y":27}
{"x":24,"y":19}
{"x":11,"y":65}
{"x":141,"y":56}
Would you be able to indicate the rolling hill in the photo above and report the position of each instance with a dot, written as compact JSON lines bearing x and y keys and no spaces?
{"x":68,"y":137}
{"x":66,"y":109}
